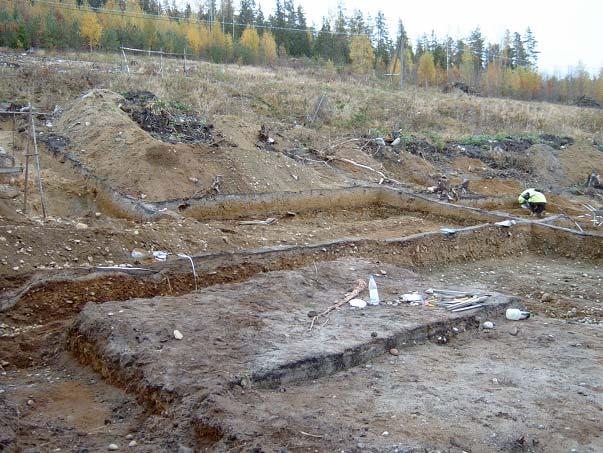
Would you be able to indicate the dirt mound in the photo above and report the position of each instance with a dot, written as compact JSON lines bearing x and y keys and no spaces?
{"x":579,"y":161}
{"x":585,"y":101}
{"x":105,"y":139}
{"x":167,"y":121}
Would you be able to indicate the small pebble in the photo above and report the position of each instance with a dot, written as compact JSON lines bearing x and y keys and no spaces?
{"x":130,"y":436}
{"x":312,"y":314}
{"x":514,"y":331}
{"x":385,"y":433}
{"x":178,"y":335}
{"x":132,"y":443}
{"x":113,"y":447}
{"x":374,"y":334}
{"x":394,"y":351}
{"x":488,"y":325}
{"x":30,"y":402}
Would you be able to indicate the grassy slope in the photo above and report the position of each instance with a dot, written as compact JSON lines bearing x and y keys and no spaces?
{"x":287,"y":95}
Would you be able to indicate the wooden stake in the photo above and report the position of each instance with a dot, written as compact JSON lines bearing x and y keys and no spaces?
{"x":26,"y":177}
{"x":125,"y":60}
{"x":161,"y":63}
{"x":37,"y":156}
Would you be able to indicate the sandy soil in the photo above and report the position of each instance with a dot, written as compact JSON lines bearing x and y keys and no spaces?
{"x":108,"y":241}
{"x":420,"y":398}
{"x":532,"y":391}
{"x":537,"y":389}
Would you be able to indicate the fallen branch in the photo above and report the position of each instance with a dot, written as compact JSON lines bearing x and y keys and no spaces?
{"x":311,"y":435}
{"x":268,"y":221}
{"x":360,"y":286}
{"x":366,"y":167}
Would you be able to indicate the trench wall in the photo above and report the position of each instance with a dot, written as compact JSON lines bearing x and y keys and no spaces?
{"x":235,"y":206}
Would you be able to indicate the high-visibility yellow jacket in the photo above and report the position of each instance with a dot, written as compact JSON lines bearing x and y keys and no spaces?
{"x":531,"y":196}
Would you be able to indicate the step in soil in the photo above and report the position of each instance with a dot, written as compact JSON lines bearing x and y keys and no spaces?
{"x":258,"y":334}
{"x":525,"y":386}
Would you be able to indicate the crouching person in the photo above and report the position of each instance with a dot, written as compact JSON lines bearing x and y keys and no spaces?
{"x":534,"y":200}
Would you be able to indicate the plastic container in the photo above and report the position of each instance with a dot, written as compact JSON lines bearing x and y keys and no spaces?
{"x":373,"y":292}
{"x":514,"y":314}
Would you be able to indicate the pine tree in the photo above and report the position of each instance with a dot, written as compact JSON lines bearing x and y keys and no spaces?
{"x":383,"y":44}
{"x":278,"y":21}
{"x":519,"y":52}
{"x":260,"y":22}
{"x":246,"y":16}
{"x":508,"y":54}
{"x":531,"y":52}
{"x":476,"y":46}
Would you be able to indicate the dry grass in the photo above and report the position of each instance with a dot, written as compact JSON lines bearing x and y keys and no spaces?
{"x":288,"y":95}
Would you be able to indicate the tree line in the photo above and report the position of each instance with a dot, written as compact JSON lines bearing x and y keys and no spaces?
{"x":351,"y":43}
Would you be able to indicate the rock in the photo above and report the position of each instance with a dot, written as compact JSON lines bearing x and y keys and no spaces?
{"x":178,"y":335}
{"x":30,"y":403}
{"x":8,"y":192}
{"x":312,"y":314}
{"x":97,"y":215}
{"x":130,"y":436}
{"x":488,"y":325}
{"x":140,"y":254}
{"x":132,"y":443}
{"x":193,"y":179}
{"x":394,"y":351}
{"x":514,"y":331}
{"x":385,"y":433}
{"x":81,"y":226}
{"x":374,"y":334}
{"x":245,"y":382}
{"x":113,"y":447}
{"x":547,"y":297}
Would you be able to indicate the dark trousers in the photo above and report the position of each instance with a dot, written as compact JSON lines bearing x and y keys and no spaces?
{"x":537,"y":208}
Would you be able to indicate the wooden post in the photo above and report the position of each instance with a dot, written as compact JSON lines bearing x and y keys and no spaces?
{"x":401,"y":62}
{"x":161,"y":63}
{"x":37,"y":156}
{"x":184,"y":60}
{"x":26,"y":177}
{"x":125,"y":60}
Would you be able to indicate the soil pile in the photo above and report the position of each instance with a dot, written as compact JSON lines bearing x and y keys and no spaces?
{"x":166,"y":121}
{"x":105,"y":139}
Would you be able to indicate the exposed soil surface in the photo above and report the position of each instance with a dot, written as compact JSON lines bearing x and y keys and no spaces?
{"x":482,"y":392}
{"x":172,"y":123}
{"x":108,"y":241}
{"x":117,"y":150}
{"x":249,"y":374}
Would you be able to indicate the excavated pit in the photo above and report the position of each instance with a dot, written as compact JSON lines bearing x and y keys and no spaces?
{"x":258,"y":333}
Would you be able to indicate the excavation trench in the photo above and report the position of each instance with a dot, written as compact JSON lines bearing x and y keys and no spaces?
{"x":47,"y":292}
{"x":234,"y":206}
{"x":125,"y":348}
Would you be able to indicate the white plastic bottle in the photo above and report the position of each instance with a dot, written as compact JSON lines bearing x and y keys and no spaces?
{"x":514,"y":314}
{"x":373,"y":293}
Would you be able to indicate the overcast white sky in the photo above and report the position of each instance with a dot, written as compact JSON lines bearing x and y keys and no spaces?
{"x":567,"y":32}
